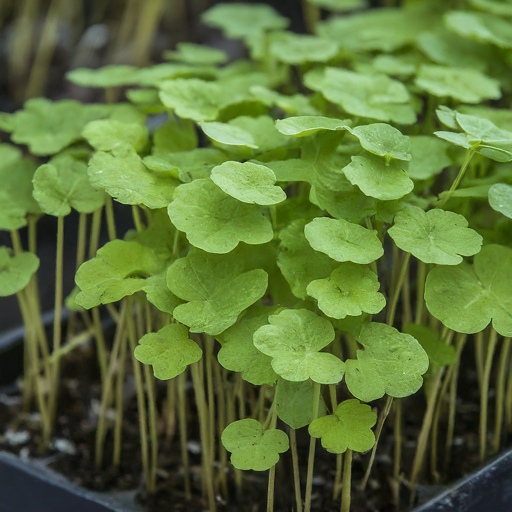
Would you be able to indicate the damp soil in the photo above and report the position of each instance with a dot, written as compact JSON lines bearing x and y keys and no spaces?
{"x":73,"y":448}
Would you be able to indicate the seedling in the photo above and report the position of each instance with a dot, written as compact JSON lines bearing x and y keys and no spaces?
{"x":309,"y":223}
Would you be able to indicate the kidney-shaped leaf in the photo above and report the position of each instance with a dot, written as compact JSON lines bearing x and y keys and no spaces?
{"x":467,"y":297}
{"x":16,"y":271}
{"x":437,"y":350}
{"x":302,"y":126}
{"x":350,"y":427}
{"x":216,"y":289}
{"x":344,"y":241}
{"x":436,"y":236}
{"x":63,"y":184}
{"x":215,"y":221}
{"x":294,"y":339}
{"x":125,"y":177}
{"x":169,"y":351}
{"x":119,"y":269}
{"x":297,"y":49}
{"x":429,"y":157}
{"x":228,"y":134}
{"x":104,"y":134}
{"x":376,"y":178}
{"x":384,"y":140}
{"x":251,"y":448}
{"x":500,"y":199}
{"x":349,"y":290}
{"x":248,"y":182}
{"x":238,"y":353}
{"x":391,"y":363}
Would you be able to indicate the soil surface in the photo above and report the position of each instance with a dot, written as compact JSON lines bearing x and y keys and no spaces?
{"x":73,"y":448}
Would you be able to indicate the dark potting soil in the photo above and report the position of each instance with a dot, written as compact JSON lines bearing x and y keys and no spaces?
{"x":73,"y":448}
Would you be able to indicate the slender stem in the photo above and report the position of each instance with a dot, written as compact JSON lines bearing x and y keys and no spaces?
{"x":111,"y":223}
{"x":484,"y":396}
{"x":378,"y":431}
{"x":118,"y":428}
{"x":150,"y":386}
{"x":508,"y":400}
{"x":170,"y":413}
{"x":57,"y":319}
{"x":398,"y":449}
{"x":100,"y":343}
{"x":32,"y":234}
{"x":296,"y":471}
{"x":221,"y":424}
{"x":424,"y":432}
{"x":271,"y":472}
{"x":460,"y":342}
{"x":435,"y":424}
{"x":406,"y":300}
{"x":396,"y":292}
{"x":107,"y":390}
{"x":211,"y":399}
{"x":312,"y":447}
{"x":176,"y":244}
{"x":139,"y":225}
{"x":458,"y":179}
{"x":337,"y":479}
{"x":479,"y":358}
{"x":500,"y":394}
{"x":141,"y":402}
{"x":95,"y":232}
{"x":182,"y":397}
{"x":347,"y":481}
{"x":420,"y":290}
{"x":203,"y":432}
{"x":82,"y":239}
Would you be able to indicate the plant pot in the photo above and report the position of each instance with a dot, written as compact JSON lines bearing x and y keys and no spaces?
{"x":31,"y":486}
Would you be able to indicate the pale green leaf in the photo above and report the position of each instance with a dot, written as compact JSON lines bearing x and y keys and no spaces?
{"x":348,"y":428}
{"x":390,"y":363}
{"x":248,"y":182}
{"x":344,"y":241}
{"x":197,"y":54}
{"x":228,"y":134}
{"x":294,"y":339}
{"x":467,"y":297}
{"x":303,"y":126}
{"x":438,"y":352}
{"x":169,"y":351}
{"x":500,"y":199}
{"x":251,"y":448}
{"x":436,"y":236}
{"x":216,"y":222}
{"x":429,"y":157}
{"x":16,"y":271}
{"x":298,"y":49}
{"x":350,"y":290}
{"x":104,"y":134}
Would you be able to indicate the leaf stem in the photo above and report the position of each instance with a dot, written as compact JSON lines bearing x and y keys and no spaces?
{"x":469,"y":155}
{"x":150,"y":386}
{"x":271,"y":472}
{"x":182,"y":412}
{"x":347,"y":481}
{"x":397,"y":289}
{"x":484,"y":396}
{"x":500,"y":394}
{"x":118,"y":428}
{"x":312,"y":447}
{"x":378,"y":431}
{"x":296,"y":471}
{"x":111,"y":223}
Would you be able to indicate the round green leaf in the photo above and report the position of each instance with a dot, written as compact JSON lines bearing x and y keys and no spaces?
{"x":238,"y":353}
{"x":119,"y":269}
{"x":391,"y":363}
{"x":344,"y":241}
{"x":376,"y":178}
{"x":106,"y":76}
{"x":198,"y":54}
{"x":216,"y":222}
{"x":383,"y":140}
{"x":169,"y":351}
{"x":467,"y":297}
{"x":104,"y":134}
{"x":63,"y":184}
{"x":302,"y":126}
{"x":500,"y":199}
{"x":16,"y":271}
{"x":158,"y":293}
{"x":298,"y":49}
{"x":436,"y":236}
{"x":248,"y":182}
{"x":124,"y":176}
{"x":216,"y":289}
{"x":429,"y":157}
{"x":251,"y":448}
{"x":463,"y":84}
{"x":298,"y":261}
{"x":294,"y":339}
{"x":244,"y":20}
{"x":348,"y":428}
{"x":349,"y":290}
{"x":228,"y":134}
